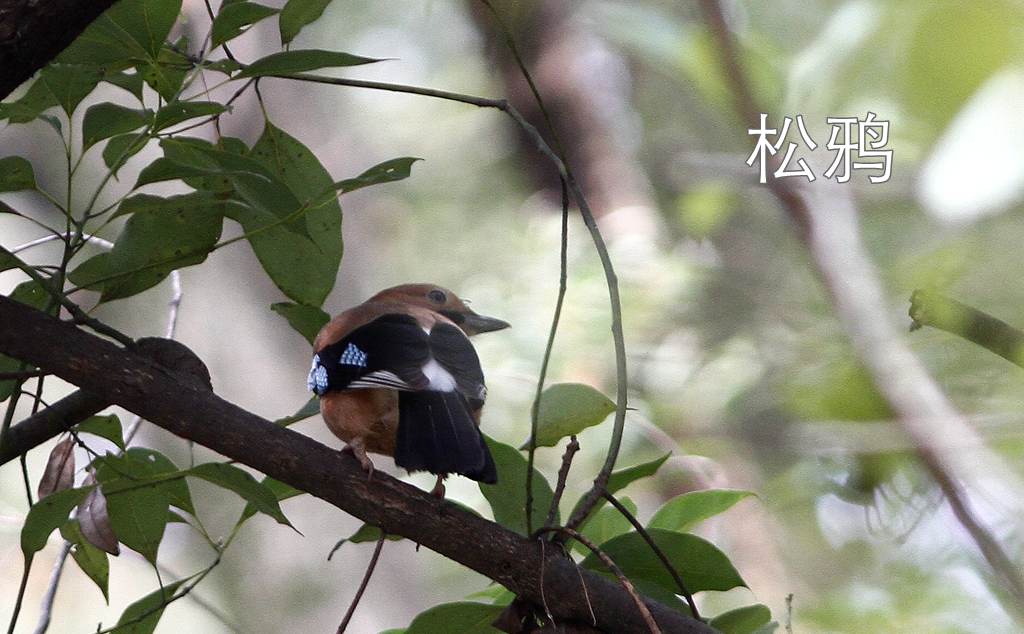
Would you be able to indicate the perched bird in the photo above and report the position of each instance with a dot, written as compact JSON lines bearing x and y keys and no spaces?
{"x":398,"y":376}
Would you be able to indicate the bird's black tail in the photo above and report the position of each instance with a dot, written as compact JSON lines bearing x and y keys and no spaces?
{"x":437,"y":433}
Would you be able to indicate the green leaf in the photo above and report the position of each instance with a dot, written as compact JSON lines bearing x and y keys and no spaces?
{"x":71,"y":83}
{"x":143,"y":616}
{"x":140,"y":484}
{"x":700,"y":565}
{"x":180,"y":111}
{"x":297,"y":14}
{"x":137,"y":506}
{"x":269,"y":203}
{"x":106,"y":43}
{"x":93,"y":561}
{"x":105,"y":120}
{"x":289,"y":62}
{"x":743,"y":620}
{"x":164,"y":169}
{"x":234,"y":479}
{"x":105,"y":426}
{"x":607,"y":523}
{"x":306,"y":320}
{"x":233,"y":18}
{"x":132,"y":82}
{"x":163,"y":234}
{"x":568,"y":408}
{"x":147,"y":21}
{"x":122,"y":147}
{"x":508,"y":497}
{"x":624,"y":477}
{"x":311,"y":408}
{"x":463,"y":617}
{"x":167,"y":73}
{"x":305,"y":269}
{"x":683,"y":512}
{"x":280,"y":490}
{"x":389,"y":171}
{"x":16,"y":174}
{"x":45,"y":516}
{"x":37,"y":99}
{"x":366,"y":533}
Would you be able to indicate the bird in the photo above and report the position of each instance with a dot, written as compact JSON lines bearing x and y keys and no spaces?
{"x":398,"y":376}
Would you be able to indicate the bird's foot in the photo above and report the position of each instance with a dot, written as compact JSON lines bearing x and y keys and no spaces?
{"x":438,"y":490}
{"x":358,"y":449}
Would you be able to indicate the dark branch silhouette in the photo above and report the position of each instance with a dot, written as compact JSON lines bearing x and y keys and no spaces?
{"x":174,"y":402}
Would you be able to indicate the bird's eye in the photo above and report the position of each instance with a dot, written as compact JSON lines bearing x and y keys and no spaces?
{"x":437,"y":296}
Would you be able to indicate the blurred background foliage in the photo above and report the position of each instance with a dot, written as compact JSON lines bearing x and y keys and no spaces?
{"x":737,"y":363}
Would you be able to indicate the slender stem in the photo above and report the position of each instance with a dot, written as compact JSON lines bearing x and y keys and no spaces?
{"x":657,"y":551}
{"x":362,"y":585}
{"x":623,"y":580}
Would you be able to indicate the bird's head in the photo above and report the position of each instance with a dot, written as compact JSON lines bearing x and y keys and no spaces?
{"x":441,"y":300}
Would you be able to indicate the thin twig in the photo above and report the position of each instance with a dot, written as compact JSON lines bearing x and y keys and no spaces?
{"x":366,"y":580}
{"x":46,"y":609}
{"x":601,"y":481}
{"x":657,"y":551}
{"x":623,"y":580}
{"x":563,"y":475}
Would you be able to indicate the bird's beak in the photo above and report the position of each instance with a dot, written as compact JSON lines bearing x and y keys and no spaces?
{"x":473,"y":324}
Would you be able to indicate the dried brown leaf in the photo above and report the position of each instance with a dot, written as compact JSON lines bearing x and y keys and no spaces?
{"x":94,"y":520}
{"x":60,"y":469}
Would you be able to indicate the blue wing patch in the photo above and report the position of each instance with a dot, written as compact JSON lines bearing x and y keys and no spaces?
{"x":353,"y":356}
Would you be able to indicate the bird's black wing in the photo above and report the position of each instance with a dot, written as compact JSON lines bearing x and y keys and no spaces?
{"x":438,"y":433}
{"x":452,"y":349}
{"x":387,"y":352}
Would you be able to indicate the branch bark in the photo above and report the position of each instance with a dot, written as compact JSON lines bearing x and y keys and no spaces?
{"x":32,"y":32}
{"x":173,"y":402}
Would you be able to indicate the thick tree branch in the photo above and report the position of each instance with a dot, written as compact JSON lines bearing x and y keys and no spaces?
{"x":164,"y":398}
{"x":32,"y":32}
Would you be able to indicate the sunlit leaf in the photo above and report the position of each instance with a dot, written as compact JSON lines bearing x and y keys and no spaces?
{"x":305,"y":269}
{"x":567,"y":409}
{"x":683,"y":512}
{"x":301,"y":61}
